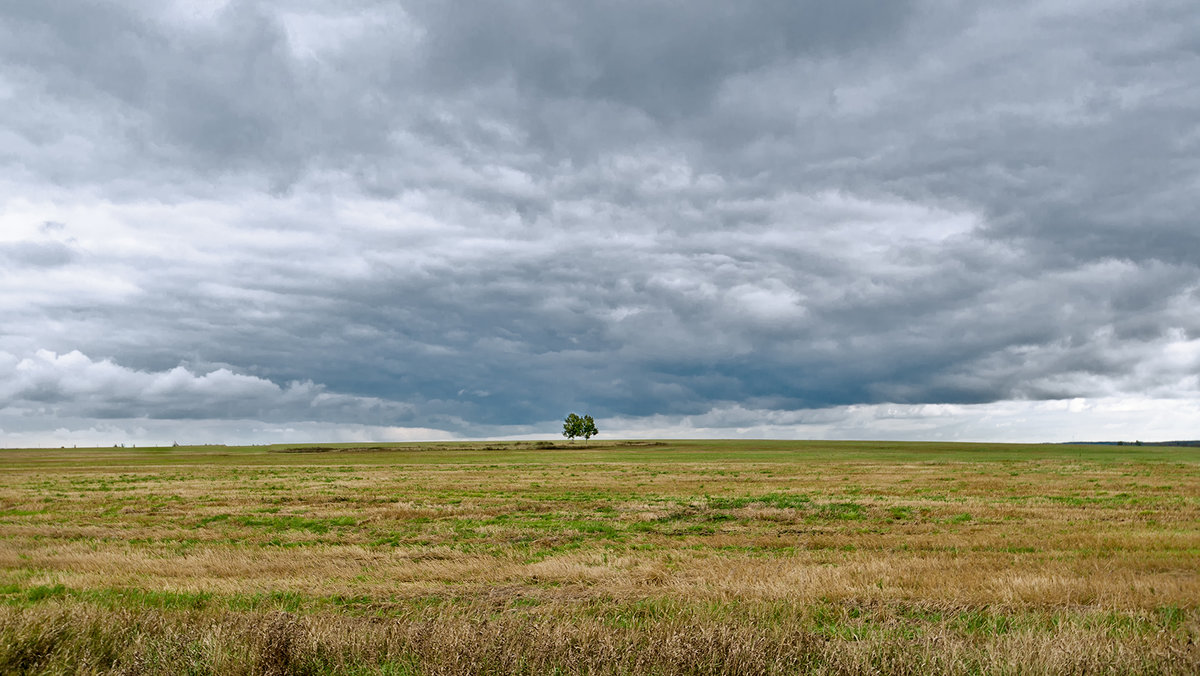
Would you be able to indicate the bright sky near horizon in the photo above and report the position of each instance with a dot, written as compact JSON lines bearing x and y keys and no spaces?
{"x":364,"y":220}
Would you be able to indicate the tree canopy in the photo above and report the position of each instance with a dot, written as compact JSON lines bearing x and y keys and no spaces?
{"x":575,"y":426}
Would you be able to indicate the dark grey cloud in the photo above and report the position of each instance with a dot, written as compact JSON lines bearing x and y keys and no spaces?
{"x":668,"y":59}
{"x":476,"y":217}
{"x":35,"y":254}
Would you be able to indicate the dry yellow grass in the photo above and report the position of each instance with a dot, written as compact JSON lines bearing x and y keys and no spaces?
{"x":741,"y":559}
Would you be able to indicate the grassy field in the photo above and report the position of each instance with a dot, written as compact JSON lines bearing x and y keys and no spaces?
{"x":747,"y":557}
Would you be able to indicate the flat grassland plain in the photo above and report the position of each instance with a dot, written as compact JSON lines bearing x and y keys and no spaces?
{"x":738,"y":557}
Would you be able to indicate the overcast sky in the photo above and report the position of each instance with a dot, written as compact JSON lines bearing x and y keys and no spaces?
{"x":304,"y":220}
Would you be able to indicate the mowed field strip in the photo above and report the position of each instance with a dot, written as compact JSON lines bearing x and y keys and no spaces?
{"x":609,"y":557}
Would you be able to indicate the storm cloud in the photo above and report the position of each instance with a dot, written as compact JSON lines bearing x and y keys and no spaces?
{"x":422,"y":219}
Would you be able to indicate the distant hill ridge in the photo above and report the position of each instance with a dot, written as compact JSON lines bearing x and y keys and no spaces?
{"x":1193,"y":442}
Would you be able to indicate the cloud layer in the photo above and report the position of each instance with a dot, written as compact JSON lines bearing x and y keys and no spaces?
{"x":474,"y":219}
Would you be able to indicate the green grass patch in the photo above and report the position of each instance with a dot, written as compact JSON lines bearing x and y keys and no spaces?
{"x":776,"y":500}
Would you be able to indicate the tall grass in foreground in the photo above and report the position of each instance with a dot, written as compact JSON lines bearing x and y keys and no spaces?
{"x":79,"y":639}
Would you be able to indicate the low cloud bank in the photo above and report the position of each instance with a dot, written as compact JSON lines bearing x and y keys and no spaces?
{"x":48,"y":399}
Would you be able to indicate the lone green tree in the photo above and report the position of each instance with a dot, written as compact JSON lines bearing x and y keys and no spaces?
{"x":575,"y":426}
{"x":572,"y":425}
{"x":588,"y":429}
